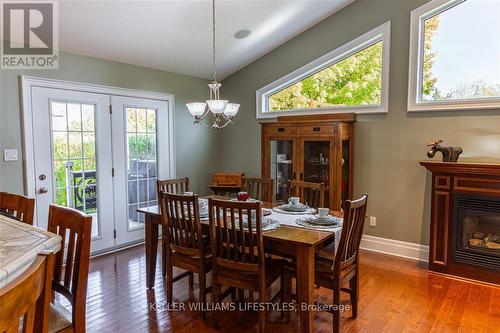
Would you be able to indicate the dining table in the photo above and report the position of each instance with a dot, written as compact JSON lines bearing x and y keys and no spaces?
{"x":289,"y":240}
{"x":20,"y":243}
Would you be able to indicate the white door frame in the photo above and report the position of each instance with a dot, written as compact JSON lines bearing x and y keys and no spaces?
{"x":28,"y":82}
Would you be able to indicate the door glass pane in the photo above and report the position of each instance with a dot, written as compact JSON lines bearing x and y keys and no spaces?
{"x":317,"y":164}
{"x":141,"y":162}
{"x":74,"y":166}
{"x":281,"y":166}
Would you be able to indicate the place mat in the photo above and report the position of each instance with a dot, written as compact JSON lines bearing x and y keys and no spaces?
{"x":249,"y":200}
{"x":308,"y":225}
{"x":267,"y":224}
{"x":280,"y":210}
{"x":204,"y":217}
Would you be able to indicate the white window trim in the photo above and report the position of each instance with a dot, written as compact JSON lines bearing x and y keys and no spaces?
{"x":415,"y":104}
{"x":381,"y":33}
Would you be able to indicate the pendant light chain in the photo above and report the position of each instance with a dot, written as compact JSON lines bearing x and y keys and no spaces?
{"x":222,"y":112}
{"x":214,"y":67}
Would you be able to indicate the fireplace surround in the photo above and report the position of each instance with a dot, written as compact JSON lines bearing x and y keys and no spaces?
{"x":465,"y":220}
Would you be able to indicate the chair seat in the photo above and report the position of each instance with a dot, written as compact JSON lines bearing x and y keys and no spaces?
{"x":59,"y":318}
{"x":250,"y":280}
{"x":191,"y":263}
{"x":323,"y":269}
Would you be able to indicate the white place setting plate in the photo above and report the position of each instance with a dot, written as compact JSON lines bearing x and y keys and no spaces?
{"x":300,"y":210}
{"x":316,"y":222}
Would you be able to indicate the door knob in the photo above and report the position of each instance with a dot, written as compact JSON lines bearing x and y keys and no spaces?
{"x":42,"y":190}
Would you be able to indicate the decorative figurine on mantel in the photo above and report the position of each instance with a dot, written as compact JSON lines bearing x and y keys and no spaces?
{"x":450,"y":154}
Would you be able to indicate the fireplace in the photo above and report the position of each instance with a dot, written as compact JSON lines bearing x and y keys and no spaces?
{"x":465,"y":220}
{"x":476,"y":231}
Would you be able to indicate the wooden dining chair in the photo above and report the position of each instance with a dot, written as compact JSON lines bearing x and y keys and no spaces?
{"x":24,"y":302}
{"x":71,"y":268}
{"x":259,"y":188}
{"x":345,"y":268}
{"x":176,"y":186}
{"x":186,"y":247}
{"x":311,"y":194}
{"x":334,"y":273}
{"x":238,"y":256}
{"x":18,"y":206}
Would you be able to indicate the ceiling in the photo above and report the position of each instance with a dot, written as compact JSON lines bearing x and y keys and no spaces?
{"x":175,"y":36}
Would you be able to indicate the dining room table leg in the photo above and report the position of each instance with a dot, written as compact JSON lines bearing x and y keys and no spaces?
{"x":305,"y":287}
{"x":151,"y":230}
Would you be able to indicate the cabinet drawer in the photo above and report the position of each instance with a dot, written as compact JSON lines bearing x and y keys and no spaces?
{"x":281,"y":130}
{"x":316,"y":130}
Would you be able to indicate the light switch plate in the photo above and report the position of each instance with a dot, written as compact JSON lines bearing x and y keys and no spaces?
{"x":9,"y":155}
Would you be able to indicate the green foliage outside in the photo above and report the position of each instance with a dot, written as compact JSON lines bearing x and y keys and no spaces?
{"x":355,"y":80}
{"x":72,"y":146}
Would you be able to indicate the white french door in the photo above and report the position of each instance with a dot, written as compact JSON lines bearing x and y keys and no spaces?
{"x":100,"y":154}
{"x":73,"y":157}
{"x":139,"y":155}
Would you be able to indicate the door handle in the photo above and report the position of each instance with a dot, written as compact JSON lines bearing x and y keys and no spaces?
{"x":42,"y":190}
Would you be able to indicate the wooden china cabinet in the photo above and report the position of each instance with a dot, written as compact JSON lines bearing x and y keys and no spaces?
{"x":316,"y":148}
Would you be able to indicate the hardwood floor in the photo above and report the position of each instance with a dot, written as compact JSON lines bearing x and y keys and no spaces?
{"x":396,"y":295}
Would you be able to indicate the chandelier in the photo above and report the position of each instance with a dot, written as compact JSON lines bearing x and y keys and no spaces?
{"x":222,"y":112}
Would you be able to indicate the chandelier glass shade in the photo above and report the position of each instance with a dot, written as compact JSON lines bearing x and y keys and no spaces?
{"x":222,"y":112}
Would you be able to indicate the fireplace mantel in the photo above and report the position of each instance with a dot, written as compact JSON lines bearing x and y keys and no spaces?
{"x":451,"y":181}
{"x":470,"y":168}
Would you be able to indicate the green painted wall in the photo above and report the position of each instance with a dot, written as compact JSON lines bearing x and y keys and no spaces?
{"x":195,"y":146}
{"x":387,"y":147}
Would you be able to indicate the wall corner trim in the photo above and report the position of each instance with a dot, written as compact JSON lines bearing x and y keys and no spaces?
{"x":395,"y":248}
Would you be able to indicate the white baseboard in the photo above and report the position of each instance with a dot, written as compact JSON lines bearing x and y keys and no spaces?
{"x":395,"y":248}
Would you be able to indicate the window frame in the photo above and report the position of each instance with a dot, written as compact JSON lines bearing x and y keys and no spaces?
{"x":381,"y":33}
{"x":415,"y":102}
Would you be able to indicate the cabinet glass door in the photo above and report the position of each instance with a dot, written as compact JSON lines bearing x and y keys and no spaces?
{"x":317,"y":164}
{"x":281,"y":167}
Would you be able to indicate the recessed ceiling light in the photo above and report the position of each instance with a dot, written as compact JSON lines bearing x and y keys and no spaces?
{"x":243,"y":33}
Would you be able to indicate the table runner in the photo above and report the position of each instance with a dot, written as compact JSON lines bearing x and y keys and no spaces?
{"x":20,"y":243}
{"x":289,"y":220}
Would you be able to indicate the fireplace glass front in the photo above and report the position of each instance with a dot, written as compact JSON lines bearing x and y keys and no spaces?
{"x":477,"y":231}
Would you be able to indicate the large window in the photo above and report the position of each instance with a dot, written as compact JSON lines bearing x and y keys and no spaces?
{"x":455,"y":55}
{"x":352,"y":78}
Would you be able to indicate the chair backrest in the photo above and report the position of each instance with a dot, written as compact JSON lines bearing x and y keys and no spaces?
{"x":75,"y":229}
{"x":24,"y":302}
{"x":311,"y":194}
{"x":234,"y":245}
{"x":352,"y":230}
{"x":176,"y":186}
{"x":259,"y":188}
{"x":181,"y":220}
{"x":18,"y":206}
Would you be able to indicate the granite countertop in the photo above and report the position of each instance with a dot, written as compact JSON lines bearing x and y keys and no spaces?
{"x":20,"y":243}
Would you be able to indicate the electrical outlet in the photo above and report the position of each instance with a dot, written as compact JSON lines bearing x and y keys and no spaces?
{"x":9,"y":155}
{"x":373,"y":221}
